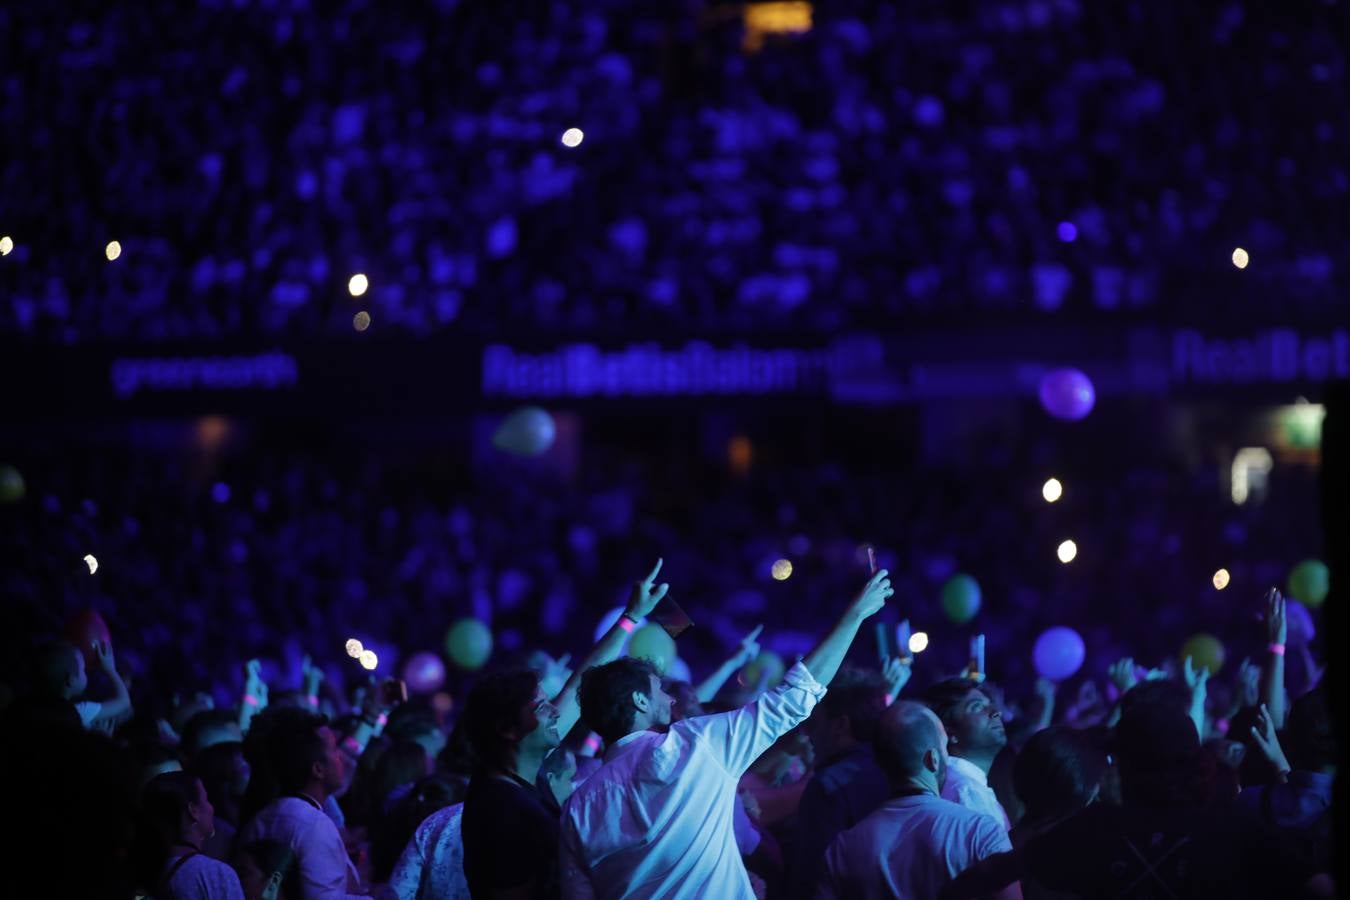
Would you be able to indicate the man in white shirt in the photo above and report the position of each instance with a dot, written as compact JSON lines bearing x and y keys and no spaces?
{"x":916,"y":843}
{"x":657,"y":819}
{"x":975,"y":737}
{"x":300,"y":756}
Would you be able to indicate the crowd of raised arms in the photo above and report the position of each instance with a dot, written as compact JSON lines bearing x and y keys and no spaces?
{"x":610,"y":780}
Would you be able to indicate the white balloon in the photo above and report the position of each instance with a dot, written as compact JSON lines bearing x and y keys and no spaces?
{"x":529,"y":431}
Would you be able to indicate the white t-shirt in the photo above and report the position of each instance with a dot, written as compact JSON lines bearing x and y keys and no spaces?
{"x":432,"y":865}
{"x":326,"y":871}
{"x":911,"y":847}
{"x":203,"y":878}
{"x":657,"y":820}
{"x":968,"y":785}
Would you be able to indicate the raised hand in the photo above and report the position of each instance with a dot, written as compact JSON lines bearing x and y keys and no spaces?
{"x":1277,"y":624}
{"x":874,"y":595}
{"x":311,"y":676}
{"x":897,"y":673}
{"x":749,"y":647}
{"x":103,"y":653}
{"x":646,"y":594}
{"x":1263,"y":733}
{"x":254,"y":686}
{"x":1122,"y":674}
{"x":1197,"y":680}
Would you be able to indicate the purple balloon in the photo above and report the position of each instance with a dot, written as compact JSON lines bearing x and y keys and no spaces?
{"x":1300,"y":622}
{"x":1059,"y":653}
{"x":1067,"y":394}
{"x":424,"y":672}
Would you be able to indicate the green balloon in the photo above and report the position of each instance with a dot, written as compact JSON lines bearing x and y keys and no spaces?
{"x":961,"y":598}
{"x":1309,"y":582}
{"x":650,"y":642}
{"x":768,"y":664}
{"x":11,"y":485}
{"x":1206,"y":651}
{"x":468,"y":644}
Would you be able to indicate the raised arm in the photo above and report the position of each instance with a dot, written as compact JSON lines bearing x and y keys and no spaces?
{"x":643,"y":599}
{"x":118,"y":708}
{"x":255,"y":695}
{"x":1272,"y":673}
{"x":748,"y":651}
{"x":824,"y":661}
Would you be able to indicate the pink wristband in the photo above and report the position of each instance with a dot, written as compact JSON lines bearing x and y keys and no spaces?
{"x":250,"y":700}
{"x":382,"y":720}
{"x":593,"y":743}
{"x":1277,"y":649}
{"x":626,"y":623}
{"x":889,"y":699}
{"x":313,"y":700}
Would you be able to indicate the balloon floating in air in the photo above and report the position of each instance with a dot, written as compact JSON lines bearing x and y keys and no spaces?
{"x":1059,"y":653}
{"x":1067,"y":394}
{"x":1206,"y":652}
{"x":468,"y":644}
{"x":1309,"y":582}
{"x":528,"y":431}
{"x":11,"y":485}
{"x":424,"y":672}
{"x":650,"y":642}
{"x":961,"y":598}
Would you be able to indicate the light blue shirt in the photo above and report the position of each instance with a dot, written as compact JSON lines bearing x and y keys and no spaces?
{"x":657,"y":820}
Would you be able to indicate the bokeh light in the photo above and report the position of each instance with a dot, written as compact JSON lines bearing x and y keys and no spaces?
{"x":91,"y":562}
{"x":368,"y":660}
{"x":918,"y":642}
{"x":1052,"y":490}
{"x":113,"y":250}
{"x":1067,"y":551}
{"x":573,"y":137}
{"x":782,"y":570}
{"x":361,"y":321}
{"x":442,"y":702}
{"x":357,"y":284}
{"x":1221,"y":579}
{"x":1240,"y":258}
{"x":6,"y":245}
{"x":355,"y":648}
{"x":1068,"y":232}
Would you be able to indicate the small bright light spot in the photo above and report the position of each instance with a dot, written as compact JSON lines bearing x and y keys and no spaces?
{"x":361,"y":321}
{"x":1067,"y":551}
{"x":6,"y":245}
{"x":1251,"y":466}
{"x":357,"y":284}
{"x":918,"y":642}
{"x":91,"y":563}
{"x":1052,"y":490}
{"x":1240,"y":258}
{"x":113,"y":250}
{"x":368,"y":660}
{"x":1068,"y":232}
{"x":442,"y":702}
{"x":1221,"y":579}
{"x":355,"y":648}
{"x":573,"y":137}
{"x":782,"y":570}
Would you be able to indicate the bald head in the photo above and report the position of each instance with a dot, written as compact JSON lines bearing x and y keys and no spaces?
{"x":909,"y":732}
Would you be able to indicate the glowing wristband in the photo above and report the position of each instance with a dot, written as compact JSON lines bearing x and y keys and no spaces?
{"x":626,"y":623}
{"x":250,"y":700}
{"x":593,"y":743}
{"x":313,"y":700}
{"x":889,"y":699}
{"x":1277,"y":649}
{"x":382,"y":720}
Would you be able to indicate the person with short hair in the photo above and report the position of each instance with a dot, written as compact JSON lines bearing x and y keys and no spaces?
{"x":975,"y":736}
{"x":206,"y":729}
{"x":61,"y":677}
{"x":656,"y":820}
{"x":916,"y":842}
{"x":848,"y":784}
{"x":295,"y":760}
{"x":1059,"y":772}
{"x":175,"y":820}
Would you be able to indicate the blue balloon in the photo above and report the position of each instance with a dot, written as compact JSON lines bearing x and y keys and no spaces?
{"x":1067,"y":394}
{"x":528,"y":431}
{"x":1059,"y":653}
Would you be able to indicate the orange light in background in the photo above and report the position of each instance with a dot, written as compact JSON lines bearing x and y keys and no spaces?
{"x":740,"y":454}
{"x":212,"y":431}
{"x":760,"y":19}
